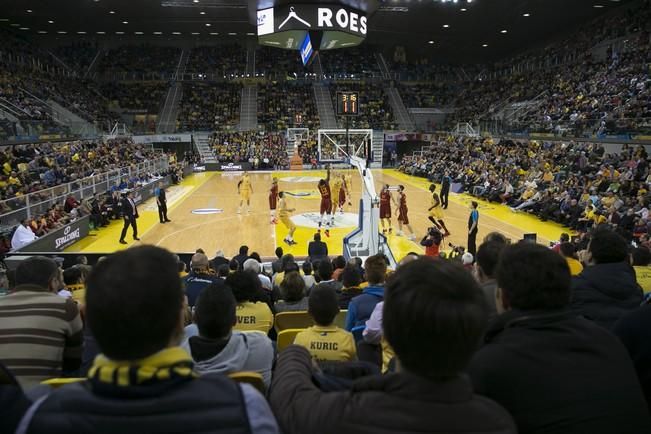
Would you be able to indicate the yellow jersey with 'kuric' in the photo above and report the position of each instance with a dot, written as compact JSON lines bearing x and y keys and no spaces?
{"x":328,"y":343}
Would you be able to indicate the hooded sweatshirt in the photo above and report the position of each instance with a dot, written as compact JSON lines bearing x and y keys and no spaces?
{"x":604,"y":293}
{"x":241,"y":352}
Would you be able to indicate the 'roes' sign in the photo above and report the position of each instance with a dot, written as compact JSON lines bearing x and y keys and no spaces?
{"x":344,"y":19}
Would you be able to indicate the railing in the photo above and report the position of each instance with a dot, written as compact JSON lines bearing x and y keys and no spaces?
{"x":624,"y":128}
{"x":34,"y":204}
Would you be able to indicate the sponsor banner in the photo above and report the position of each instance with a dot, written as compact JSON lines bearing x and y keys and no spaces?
{"x":163,"y":138}
{"x":642,"y":137}
{"x":58,"y":240}
{"x":337,"y":18}
{"x":235,"y":167}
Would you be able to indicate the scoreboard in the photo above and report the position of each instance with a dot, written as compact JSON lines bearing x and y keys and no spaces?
{"x":347,"y":103}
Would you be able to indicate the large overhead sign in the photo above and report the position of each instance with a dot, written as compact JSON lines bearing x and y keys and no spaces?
{"x":287,"y":26}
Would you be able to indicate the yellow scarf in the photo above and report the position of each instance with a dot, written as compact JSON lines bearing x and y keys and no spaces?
{"x":168,"y":364}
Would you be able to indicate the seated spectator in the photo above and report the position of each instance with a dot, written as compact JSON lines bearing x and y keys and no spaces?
{"x":641,"y":265}
{"x":220,"y":349}
{"x":326,"y":280}
{"x":292,"y":291}
{"x":324,"y":340}
{"x":351,"y":279}
{"x":606,"y":289}
{"x":40,"y":332}
{"x":218,"y":260}
{"x":536,"y":332}
{"x":317,"y":249}
{"x":487,"y":257}
{"x":200,"y":277}
{"x":338,"y":265}
{"x":253,"y":312}
{"x":242,"y":256}
{"x":23,"y":235}
{"x":73,"y":278}
{"x":253,"y":266}
{"x":568,"y":251}
{"x":307,"y":276}
{"x":360,"y":307}
{"x":143,"y":381}
{"x":429,"y":392}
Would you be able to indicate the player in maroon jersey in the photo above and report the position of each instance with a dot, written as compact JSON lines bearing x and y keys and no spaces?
{"x":273,"y":199}
{"x":386,"y":198}
{"x":343,"y":193}
{"x":326,"y":202}
{"x":403,"y":218}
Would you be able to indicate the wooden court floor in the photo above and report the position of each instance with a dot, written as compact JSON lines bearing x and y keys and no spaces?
{"x":203,"y":213}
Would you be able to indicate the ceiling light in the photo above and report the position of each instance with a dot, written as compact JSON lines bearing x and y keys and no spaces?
{"x":158,"y":33}
{"x":101,"y":33}
{"x":62,"y":32}
{"x":29,"y":11}
{"x":202,"y":13}
{"x":195,"y":33}
{"x":14,"y":25}
{"x":81,"y":33}
{"x":119,"y":33}
{"x":214,"y":33}
{"x":430,"y":42}
{"x":125,"y":22}
{"x":138,"y":33}
{"x":24,"y":28}
{"x":42,"y":32}
{"x":4,"y":19}
{"x":208,"y":24}
{"x":484,"y":45}
{"x":504,"y":31}
{"x":526,"y":15}
{"x":195,"y":1}
{"x":112,"y":12}
{"x":250,"y":34}
{"x":446,"y":26}
{"x":232,"y":33}
{"x":463,"y":9}
{"x":176,"y":33}
{"x":598,"y":6}
{"x":50,"y":22}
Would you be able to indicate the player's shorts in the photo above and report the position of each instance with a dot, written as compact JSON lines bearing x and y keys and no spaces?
{"x":402,"y":216}
{"x":342,"y":197}
{"x":245,"y":194}
{"x":287,"y":222}
{"x":436,"y":213}
{"x":385,"y":211}
{"x":326,"y":206}
{"x":273,"y":202}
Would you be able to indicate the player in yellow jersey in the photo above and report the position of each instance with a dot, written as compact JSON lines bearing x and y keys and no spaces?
{"x":348,"y":178}
{"x":337,"y":186}
{"x":245,"y":189}
{"x":436,"y":212}
{"x":284,"y":216}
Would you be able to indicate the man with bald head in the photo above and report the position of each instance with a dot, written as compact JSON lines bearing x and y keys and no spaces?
{"x":200,"y":277}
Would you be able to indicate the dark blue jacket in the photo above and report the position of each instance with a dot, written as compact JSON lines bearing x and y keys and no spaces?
{"x":208,"y":404}
{"x":195,"y":283}
{"x":603,"y":293}
{"x":361,"y":307}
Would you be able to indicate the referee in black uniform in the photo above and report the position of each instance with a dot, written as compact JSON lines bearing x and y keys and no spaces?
{"x":161,"y":201}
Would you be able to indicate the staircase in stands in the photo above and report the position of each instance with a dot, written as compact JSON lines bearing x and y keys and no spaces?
{"x":170,"y":111}
{"x":400,"y":112}
{"x":202,"y":146}
{"x":323,"y":100}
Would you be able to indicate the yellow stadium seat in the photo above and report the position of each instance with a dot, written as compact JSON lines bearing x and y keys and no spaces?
{"x":252,"y":378}
{"x":340,"y":319}
{"x":58,"y":382}
{"x":293,"y":320}
{"x":286,"y":338}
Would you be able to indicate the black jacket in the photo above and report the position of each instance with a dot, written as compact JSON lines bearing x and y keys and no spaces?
{"x":557,"y":373}
{"x":634,"y":330}
{"x":317,"y":250}
{"x":128,"y":210}
{"x":604,"y":293}
{"x":208,"y":404}
{"x":394,"y":403}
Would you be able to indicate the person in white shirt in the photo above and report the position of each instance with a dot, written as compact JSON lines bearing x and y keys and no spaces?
{"x":254,"y":266}
{"x":23,"y":235}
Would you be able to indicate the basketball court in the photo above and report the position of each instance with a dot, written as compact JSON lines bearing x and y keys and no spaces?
{"x":203,"y":210}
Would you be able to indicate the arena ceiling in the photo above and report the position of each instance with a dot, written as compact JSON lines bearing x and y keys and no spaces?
{"x":453,"y":31}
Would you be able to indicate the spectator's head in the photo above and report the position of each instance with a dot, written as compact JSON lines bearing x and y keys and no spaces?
{"x":233,"y":265}
{"x":134,"y":303}
{"x":286,"y":260}
{"x":292,"y":288}
{"x":81,"y":260}
{"x":244,"y":250}
{"x":488,"y":255}
{"x":325,"y":269}
{"x":223,"y":271}
{"x":317,"y":237}
{"x":568,"y":250}
{"x":532,"y":277}
{"x":256,"y":256}
{"x":641,"y":256}
{"x":497,"y":237}
{"x":410,"y":257}
{"x":323,"y":306}
{"x":375,"y":269}
{"x":279,"y":252}
{"x":434,"y":317}
{"x":606,"y":247}
{"x":72,"y":276}
{"x":307,"y":268}
{"x":245,"y":286}
{"x":252,"y":266}
{"x":351,"y":277}
{"x":214,"y":311}
{"x":199,"y":263}
{"x":39,"y":271}
{"x":338,"y":262}
{"x":565,"y":238}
